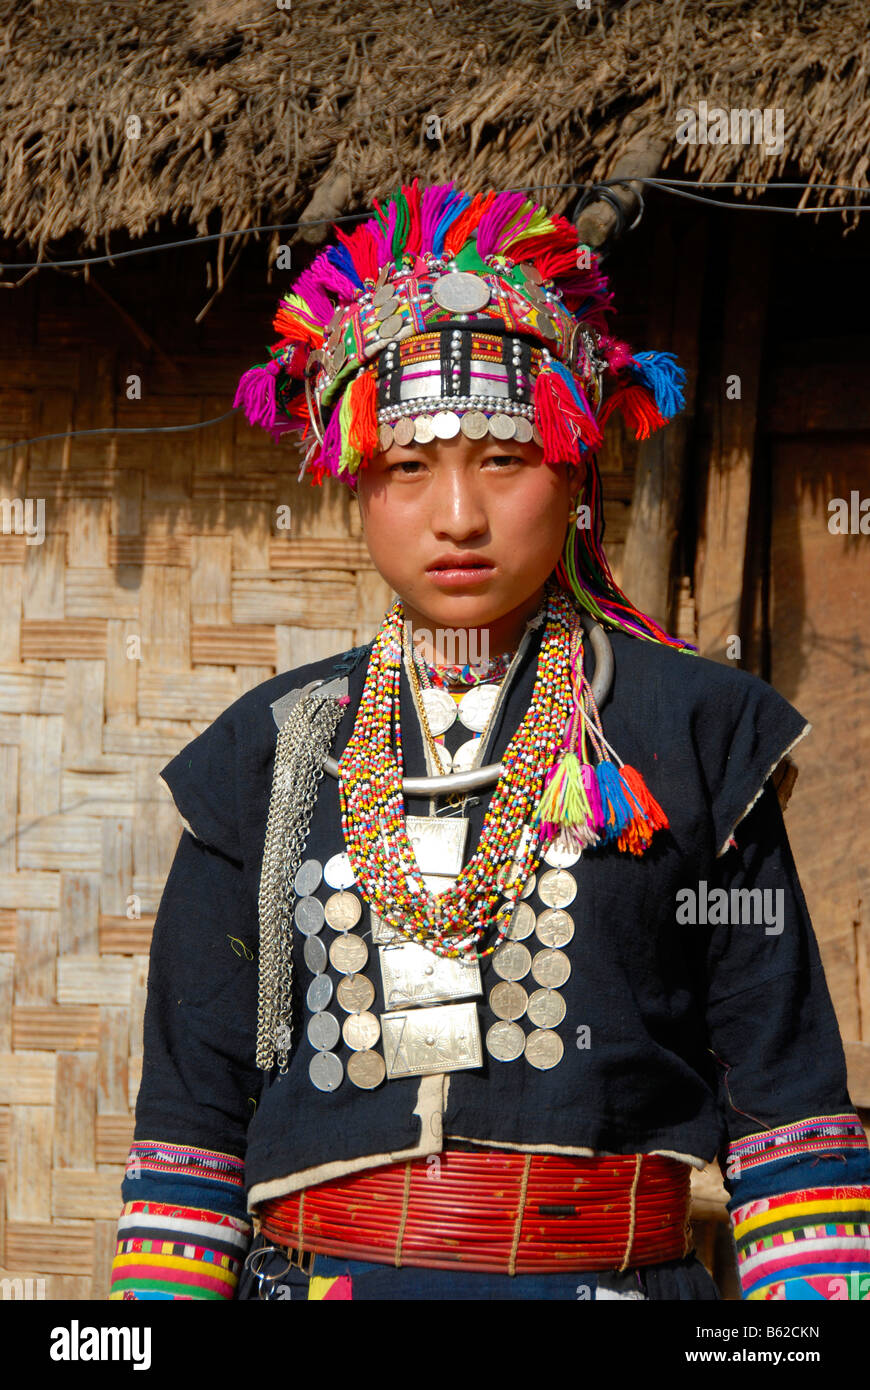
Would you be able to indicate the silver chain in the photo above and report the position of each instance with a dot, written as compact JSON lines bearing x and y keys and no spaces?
{"x":302,"y":745}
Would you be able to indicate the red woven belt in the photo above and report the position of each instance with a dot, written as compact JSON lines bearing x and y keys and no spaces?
{"x":494,"y":1212}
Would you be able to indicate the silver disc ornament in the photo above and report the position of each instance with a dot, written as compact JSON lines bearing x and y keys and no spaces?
{"x":551,"y":968}
{"x":323,"y":1031}
{"x":319,"y":993}
{"x":308,"y":876}
{"x":366,"y":1070}
{"x":308,"y":916}
{"x":557,"y":888}
{"x":474,"y":424}
{"x":505,"y":1041}
{"x":337,"y":871}
{"x":325,"y":1071}
{"x":355,"y":993}
{"x":544,"y":1049}
{"x":315,"y":955}
{"x":508,"y":1000}
{"x":461,"y":292}
{"x":476,"y":706}
{"x":512,"y":960}
{"x":554,"y":927}
{"x":440,"y":709}
{"x":546,"y":1008}
{"x":342,"y":910}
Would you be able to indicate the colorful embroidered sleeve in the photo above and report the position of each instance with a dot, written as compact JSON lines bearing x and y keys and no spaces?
{"x":184,"y":1229}
{"x":186,"y":1232}
{"x":796,"y":1163}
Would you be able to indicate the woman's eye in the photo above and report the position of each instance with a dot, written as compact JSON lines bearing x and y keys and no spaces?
{"x":504,"y":458}
{"x":409,"y":465}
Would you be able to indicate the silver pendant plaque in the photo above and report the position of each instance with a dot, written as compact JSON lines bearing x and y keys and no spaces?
{"x":438,"y":844}
{"x":425,"y":1042}
{"x":413,"y":975}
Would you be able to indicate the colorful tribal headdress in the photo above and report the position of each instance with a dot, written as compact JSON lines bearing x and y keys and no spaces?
{"x":447,"y":313}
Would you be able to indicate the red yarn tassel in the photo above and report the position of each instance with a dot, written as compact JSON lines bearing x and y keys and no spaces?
{"x":639,"y":832}
{"x":364,"y":419}
{"x":638,"y":409}
{"x":561,"y":422}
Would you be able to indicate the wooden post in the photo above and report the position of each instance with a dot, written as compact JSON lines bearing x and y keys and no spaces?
{"x":659,"y":480}
{"x":724,"y":523}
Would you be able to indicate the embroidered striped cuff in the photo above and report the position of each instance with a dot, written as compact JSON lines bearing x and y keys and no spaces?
{"x":184,"y":1229}
{"x":810,"y":1244}
{"x":819,"y":1134}
{"x":166,"y":1251}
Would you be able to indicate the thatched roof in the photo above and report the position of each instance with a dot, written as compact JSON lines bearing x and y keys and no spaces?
{"x":247,"y":109}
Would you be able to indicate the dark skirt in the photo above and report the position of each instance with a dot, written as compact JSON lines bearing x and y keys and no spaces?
{"x":268,"y":1275}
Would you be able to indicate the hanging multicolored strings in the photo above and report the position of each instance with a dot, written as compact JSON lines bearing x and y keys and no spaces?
{"x":580,"y":803}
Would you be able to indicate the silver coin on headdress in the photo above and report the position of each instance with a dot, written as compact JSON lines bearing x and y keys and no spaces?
{"x":546,"y":326}
{"x":531,"y":272}
{"x":523,"y":430}
{"x":389,"y":327}
{"x":461,"y":292}
{"x":474,"y":424}
{"x":308,"y":877}
{"x":502,"y":426}
{"x":537,"y":437}
{"x":339,"y":357}
{"x":383,"y":296}
{"x":403,"y":431}
{"x":423,"y":431}
{"x":385,"y":436}
{"x":387,"y":306}
{"x":445,"y":424}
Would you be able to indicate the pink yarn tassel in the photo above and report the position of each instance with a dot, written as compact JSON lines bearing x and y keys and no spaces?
{"x":256,"y":394}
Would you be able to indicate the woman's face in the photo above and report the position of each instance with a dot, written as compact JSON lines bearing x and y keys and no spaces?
{"x":492,"y":506}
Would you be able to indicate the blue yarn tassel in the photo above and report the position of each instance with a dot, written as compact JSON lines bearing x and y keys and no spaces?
{"x":612,"y":798}
{"x":661,"y":373}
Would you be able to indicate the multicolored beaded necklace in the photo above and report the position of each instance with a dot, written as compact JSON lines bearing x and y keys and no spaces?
{"x":372,"y":816}
{"x":453,"y":676}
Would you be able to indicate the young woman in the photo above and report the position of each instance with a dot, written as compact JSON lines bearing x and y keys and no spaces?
{"x":481,"y":936}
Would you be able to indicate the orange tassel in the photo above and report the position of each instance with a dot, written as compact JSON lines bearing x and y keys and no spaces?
{"x":364,"y":417}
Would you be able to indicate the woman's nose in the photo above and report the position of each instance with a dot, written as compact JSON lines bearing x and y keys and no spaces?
{"x":457,"y":510}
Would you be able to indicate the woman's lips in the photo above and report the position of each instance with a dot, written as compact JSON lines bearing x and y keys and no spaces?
{"x":461,"y":575}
